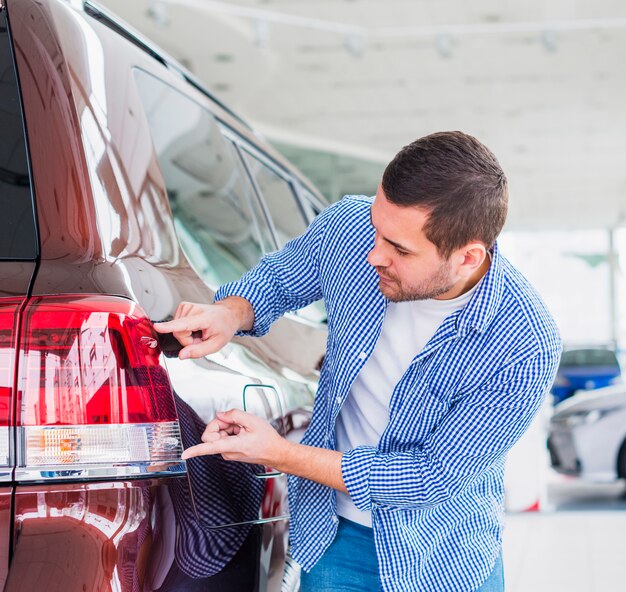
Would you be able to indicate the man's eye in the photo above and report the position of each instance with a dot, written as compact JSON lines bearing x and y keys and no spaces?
{"x":401,"y":253}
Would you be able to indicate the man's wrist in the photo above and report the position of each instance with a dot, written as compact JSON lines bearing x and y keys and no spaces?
{"x":317,"y":464}
{"x":286,"y":456}
{"x":242,"y":311}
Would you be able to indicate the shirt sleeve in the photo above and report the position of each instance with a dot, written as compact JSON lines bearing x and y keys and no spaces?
{"x":284,"y":280}
{"x":477,"y":431}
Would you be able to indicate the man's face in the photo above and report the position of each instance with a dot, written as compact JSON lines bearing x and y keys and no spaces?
{"x":408,"y":264}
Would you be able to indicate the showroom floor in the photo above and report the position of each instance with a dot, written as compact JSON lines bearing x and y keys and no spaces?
{"x":576,"y":544}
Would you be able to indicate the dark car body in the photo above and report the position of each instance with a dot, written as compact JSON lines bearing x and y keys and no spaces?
{"x":125,"y":189}
{"x":585,"y":369}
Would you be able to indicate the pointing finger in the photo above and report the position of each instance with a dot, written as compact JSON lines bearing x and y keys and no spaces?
{"x":188,"y":323}
{"x":221,"y":446}
{"x":163,"y":327}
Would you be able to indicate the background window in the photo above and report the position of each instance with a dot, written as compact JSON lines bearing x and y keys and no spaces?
{"x":17,"y":223}
{"x":310,"y":203}
{"x":210,"y":194}
{"x":281,"y":202}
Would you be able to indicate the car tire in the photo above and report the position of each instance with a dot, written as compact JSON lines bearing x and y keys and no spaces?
{"x":621,"y":462}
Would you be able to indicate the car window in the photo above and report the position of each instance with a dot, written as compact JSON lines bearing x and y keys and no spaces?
{"x":315,"y":312}
{"x":217,"y":217}
{"x":17,"y":220}
{"x":280,"y":200}
{"x":288,"y":218}
{"x":309,"y":203}
{"x":588,"y":357}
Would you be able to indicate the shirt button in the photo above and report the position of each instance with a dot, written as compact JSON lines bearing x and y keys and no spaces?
{"x":335,"y":519}
{"x":362,"y":355}
{"x":338,"y":398}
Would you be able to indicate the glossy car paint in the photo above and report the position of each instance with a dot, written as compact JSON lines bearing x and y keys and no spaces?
{"x":106,"y":536}
{"x":105,"y":227}
{"x":6,"y":526}
{"x":587,"y":435}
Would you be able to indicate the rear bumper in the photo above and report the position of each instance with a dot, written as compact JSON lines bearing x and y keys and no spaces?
{"x":101,"y":536}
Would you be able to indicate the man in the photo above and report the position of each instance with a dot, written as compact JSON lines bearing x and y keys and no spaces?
{"x":439,"y":355}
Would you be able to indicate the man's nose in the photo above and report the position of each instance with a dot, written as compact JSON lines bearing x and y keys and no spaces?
{"x":376,"y":257}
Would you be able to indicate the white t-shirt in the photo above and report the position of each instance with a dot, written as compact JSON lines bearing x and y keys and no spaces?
{"x":407,"y":328}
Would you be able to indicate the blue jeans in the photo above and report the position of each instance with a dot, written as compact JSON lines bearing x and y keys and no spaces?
{"x":495,"y":581}
{"x":350,"y":565}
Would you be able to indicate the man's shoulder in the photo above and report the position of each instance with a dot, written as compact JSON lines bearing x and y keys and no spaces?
{"x":357,"y":201}
{"x":523,"y":305}
{"x":349,"y":214}
{"x":350,"y":205}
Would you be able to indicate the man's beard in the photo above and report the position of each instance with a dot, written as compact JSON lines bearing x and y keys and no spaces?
{"x":435,"y":285}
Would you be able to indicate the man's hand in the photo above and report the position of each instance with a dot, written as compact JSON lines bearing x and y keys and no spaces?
{"x":241,"y":436}
{"x":244,"y":437}
{"x":206,"y":328}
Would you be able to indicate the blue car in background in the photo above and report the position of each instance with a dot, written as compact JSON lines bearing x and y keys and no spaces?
{"x":585,"y":369}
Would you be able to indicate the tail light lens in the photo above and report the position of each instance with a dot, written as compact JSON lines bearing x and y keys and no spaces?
{"x":94,"y":398}
{"x":8,"y":337}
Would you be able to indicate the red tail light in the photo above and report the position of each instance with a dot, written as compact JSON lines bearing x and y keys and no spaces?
{"x":94,"y":398}
{"x":8,"y":337}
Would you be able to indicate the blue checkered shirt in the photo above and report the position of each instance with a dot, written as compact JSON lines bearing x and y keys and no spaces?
{"x":434,"y":482}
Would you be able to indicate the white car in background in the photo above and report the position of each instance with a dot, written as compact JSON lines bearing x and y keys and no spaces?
{"x":587,"y":435}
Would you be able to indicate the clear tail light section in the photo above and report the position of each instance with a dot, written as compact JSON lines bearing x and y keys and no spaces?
{"x":9,"y":309}
{"x":94,"y":398}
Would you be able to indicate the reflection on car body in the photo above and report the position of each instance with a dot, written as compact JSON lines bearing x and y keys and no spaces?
{"x":138,"y":191}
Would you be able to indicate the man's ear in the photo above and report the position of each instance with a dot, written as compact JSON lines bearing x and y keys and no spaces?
{"x":470,"y":258}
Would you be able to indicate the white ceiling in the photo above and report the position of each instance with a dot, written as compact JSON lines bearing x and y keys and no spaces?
{"x":542,"y":83}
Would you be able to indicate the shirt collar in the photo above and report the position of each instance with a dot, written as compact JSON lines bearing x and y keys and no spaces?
{"x":483,"y":305}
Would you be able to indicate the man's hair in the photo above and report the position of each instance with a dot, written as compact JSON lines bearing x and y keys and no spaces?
{"x":458,"y":181}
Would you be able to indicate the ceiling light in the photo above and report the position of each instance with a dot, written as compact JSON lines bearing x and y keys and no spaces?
{"x":444,"y":44}
{"x":355,"y":44}
{"x":159,"y":12}
{"x":261,"y":33}
{"x":550,"y":40}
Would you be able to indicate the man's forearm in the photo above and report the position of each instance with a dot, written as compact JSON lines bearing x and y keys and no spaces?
{"x":242,"y":309}
{"x":317,"y":464}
